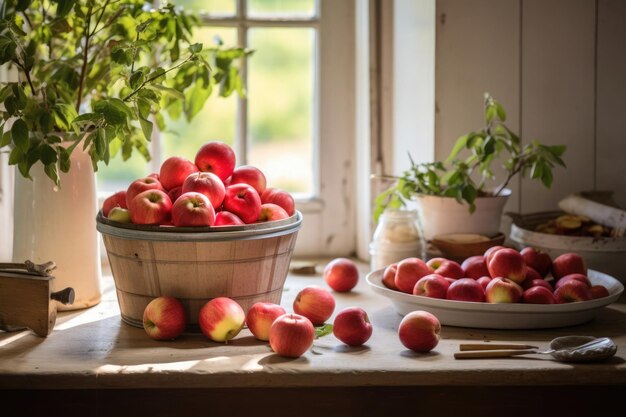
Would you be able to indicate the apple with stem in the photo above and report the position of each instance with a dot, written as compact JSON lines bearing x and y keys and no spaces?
{"x":216,"y":157}
{"x":193,"y":209}
{"x":291,"y":335}
{"x":243,"y":201}
{"x":164,"y":318}
{"x":208,"y":184}
{"x":352,"y":326}
{"x":221,"y":319}
{"x":140,"y":185}
{"x":150,"y":207}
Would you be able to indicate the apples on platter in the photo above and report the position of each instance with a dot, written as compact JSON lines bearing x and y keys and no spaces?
{"x":500,"y":275}
{"x":242,"y":192}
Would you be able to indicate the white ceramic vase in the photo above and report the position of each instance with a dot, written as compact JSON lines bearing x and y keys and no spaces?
{"x":445,"y":215}
{"x":59,"y":224}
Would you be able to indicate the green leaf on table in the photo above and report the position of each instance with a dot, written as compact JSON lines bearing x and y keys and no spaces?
{"x":323,"y":330}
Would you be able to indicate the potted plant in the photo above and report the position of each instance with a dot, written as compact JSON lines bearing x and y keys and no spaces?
{"x":457,"y":195}
{"x":93,"y":78}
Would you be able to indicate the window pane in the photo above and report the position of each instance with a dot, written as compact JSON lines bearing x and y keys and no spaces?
{"x":280,"y":92}
{"x":216,"y":8}
{"x":281,"y":8}
{"x":216,"y":120}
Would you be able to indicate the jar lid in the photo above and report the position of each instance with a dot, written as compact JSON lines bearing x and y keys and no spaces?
{"x":394,"y":247}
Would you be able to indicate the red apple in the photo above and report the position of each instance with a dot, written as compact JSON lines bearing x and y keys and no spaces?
{"x":568,"y":263}
{"x":208,"y":184}
{"x":537,"y":259}
{"x":420,"y":331}
{"x":193,"y":209}
{"x":572,"y":291}
{"x":272,"y":212}
{"x":503,"y":290}
{"x":175,"y":192}
{"x":484,"y":281}
{"x":491,"y":251}
{"x":120,"y":215}
{"x":174,"y":170}
{"x":341,"y":274}
{"x":315,"y":303}
{"x":115,"y":200}
{"x":474,"y":267}
{"x":433,"y":286}
{"x":410,"y":270}
{"x":599,"y":291}
{"x":226,"y":218}
{"x":221,"y":319}
{"x":154,"y":175}
{"x":251,"y":175}
{"x":291,"y":335}
{"x":260,"y":317}
{"x":389,"y":276}
{"x":466,"y":289}
{"x":164,"y":318}
{"x":578,"y":277}
{"x":352,"y":326}
{"x":531,"y":274}
{"x":279,"y":197}
{"x":216,"y":157}
{"x":537,"y":282}
{"x":538,"y":295}
{"x":507,"y":263}
{"x":150,"y":207}
{"x":140,"y":185}
{"x":446,"y":267}
{"x":243,"y":201}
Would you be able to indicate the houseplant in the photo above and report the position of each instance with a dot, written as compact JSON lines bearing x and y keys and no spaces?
{"x":464,"y":182}
{"x":93,"y":78}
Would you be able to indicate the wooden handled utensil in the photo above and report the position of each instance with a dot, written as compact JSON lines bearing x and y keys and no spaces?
{"x":26,"y":297}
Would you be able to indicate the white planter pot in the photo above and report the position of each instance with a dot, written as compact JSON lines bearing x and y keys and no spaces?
{"x":444,"y":215}
{"x":59,"y":225}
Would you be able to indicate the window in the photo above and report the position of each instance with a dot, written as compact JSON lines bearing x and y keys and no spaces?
{"x":297,"y":121}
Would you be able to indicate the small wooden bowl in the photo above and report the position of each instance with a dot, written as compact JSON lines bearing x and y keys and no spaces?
{"x":460,"y":246}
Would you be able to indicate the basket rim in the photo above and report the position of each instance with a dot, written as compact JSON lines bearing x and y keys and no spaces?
{"x":194,"y":234}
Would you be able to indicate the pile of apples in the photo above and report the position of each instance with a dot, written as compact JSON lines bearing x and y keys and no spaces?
{"x":291,"y":334}
{"x":209,"y":191}
{"x":500,"y":275}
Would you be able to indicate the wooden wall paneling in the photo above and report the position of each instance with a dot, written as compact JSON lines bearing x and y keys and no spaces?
{"x":611,"y":91}
{"x":558,"y":76}
{"x":477,"y":51}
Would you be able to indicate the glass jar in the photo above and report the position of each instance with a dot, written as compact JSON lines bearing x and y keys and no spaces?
{"x":397,"y":236}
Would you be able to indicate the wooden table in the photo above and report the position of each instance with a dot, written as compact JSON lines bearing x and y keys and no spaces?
{"x":93,"y":361}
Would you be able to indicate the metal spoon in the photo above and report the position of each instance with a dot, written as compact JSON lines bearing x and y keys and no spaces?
{"x":563,"y":349}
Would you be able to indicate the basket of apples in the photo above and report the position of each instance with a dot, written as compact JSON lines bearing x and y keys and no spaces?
{"x":198,"y":230}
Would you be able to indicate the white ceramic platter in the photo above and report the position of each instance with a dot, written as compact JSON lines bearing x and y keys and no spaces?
{"x":501,"y":316}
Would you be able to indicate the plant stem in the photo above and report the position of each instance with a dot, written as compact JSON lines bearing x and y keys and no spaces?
{"x":26,"y":73}
{"x":83,"y":70}
{"x":154,"y":77}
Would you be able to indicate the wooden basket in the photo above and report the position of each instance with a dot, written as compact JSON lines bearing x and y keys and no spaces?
{"x":247,"y":263}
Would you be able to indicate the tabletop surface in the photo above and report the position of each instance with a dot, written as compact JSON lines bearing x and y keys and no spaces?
{"x":93,"y":348}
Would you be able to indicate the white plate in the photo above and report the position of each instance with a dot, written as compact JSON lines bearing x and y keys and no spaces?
{"x":501,"y":316}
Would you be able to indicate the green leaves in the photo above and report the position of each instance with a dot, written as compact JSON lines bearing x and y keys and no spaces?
{"x":105,"y":71}
{"x":468,"y":168}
